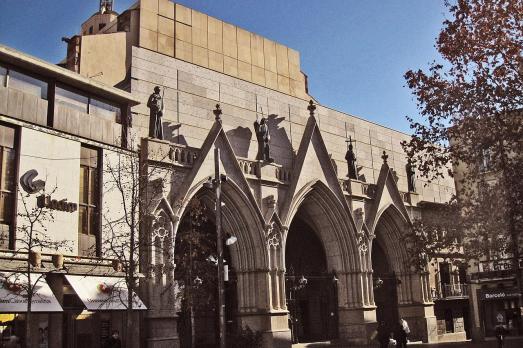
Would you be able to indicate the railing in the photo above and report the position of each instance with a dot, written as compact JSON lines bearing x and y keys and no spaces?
{"x":283,"y":174}
{"x":247,"y":166}
{"x":453,"y":290}
{"x":183,"y":155}
{"x":254,"y":168}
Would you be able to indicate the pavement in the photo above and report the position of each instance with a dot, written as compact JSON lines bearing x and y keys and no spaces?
{"x":510,"y":342}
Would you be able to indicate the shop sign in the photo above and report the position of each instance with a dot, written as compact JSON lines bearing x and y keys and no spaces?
{"x":500,"y":294}
{"x":45,"y":201}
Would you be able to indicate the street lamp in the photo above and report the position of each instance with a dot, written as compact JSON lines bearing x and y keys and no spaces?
{"x":216,"y":184}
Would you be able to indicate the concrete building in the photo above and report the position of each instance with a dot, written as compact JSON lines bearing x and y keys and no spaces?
{"x":59,"y":128}
{"x":296,"y":217}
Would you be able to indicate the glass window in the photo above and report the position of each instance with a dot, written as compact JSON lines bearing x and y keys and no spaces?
{"x":3,"y":74}
{"x":71,"y":99}
{"x":27,"y":84}
{"x":105,"y":110}
{"x":88,"y":217}
{"x":7,"y":173}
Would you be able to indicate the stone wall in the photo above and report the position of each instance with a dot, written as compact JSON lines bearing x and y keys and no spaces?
{"x":191,"y":93}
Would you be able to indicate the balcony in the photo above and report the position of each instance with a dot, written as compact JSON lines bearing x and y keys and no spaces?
{"x":502,"y":268}
{"x":451,"y":291}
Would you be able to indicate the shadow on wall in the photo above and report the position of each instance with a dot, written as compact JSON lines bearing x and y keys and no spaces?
{"x":240,"y":139}
{"x":169,"y":132}
{"x":279,"y":138}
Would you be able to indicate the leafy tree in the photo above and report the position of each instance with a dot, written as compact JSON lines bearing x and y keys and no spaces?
{"x":471,"y":123}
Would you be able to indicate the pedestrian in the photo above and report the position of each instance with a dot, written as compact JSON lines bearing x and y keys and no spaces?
{"x":114,"y":341}
{"x":14,"y":342}
{"x":392,"y":342}
{"x":403,"y":333}
{"x":382,"y":335}
{"x":500,"y":332}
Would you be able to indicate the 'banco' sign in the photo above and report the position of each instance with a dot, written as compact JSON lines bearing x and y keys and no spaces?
{"x":45,"y":201}
{"x":500,"y":294}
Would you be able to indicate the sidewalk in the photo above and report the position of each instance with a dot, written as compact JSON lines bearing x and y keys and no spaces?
{"x":510,"y":342}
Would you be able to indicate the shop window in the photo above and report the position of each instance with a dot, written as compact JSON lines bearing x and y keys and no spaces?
{"x":89,"y":203}
{"x":3,"y":76}
{"x":27,"y":84}
{"x":7,"y":182}
{"x":104,"y":110}
{"x":71,"y":99}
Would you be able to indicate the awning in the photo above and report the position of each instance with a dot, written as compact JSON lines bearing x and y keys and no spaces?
{"x":13,"y":294}
{"x":103,"y":293}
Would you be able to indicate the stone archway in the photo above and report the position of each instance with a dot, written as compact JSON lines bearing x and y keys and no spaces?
{"x":410,"y":289}
{"x":332,"y":225}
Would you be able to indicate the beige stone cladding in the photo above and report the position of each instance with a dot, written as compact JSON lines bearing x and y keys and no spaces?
{"x":191,"y":93}
{"x":180,"y":32}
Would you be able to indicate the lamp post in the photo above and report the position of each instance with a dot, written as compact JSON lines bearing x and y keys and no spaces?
{"x":216,"y":184}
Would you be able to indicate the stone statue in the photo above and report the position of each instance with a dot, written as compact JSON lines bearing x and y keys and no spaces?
{"x":411,"y":175}
{"x":155,"y":105}
{"x":350,"y":156}
{"x":264,"y":138}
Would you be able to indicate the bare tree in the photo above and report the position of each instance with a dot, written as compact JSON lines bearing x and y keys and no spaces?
{"x":132,"y":186}
{"x":32,"y":237}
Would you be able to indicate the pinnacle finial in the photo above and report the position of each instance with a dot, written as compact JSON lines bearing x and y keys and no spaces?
{"x":311,"y":107}
{"x":217,"y":113}
{"x":385,"y":157}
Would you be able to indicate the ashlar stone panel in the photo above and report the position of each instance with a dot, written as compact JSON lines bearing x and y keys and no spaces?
{"x":230,"y":66}
{"x":183,"y":14}
{"x":200,"y":56}
{"x":215,"y":35}
{"x":149,"y":39}
{"x":183,"y":32}
{"x":166,"y":8}
{"x":244,"y":71}
{"x":244,"y":45}
{"x":230,"y":45}
{"x":216,"y":61}
{"x":257,"y":54}
{"x":269,"y":54}
{"x":283,"y":84}
{"x":166,"y":44}
{"x":258,"y":75}
{"x":183,"y":50}
{"x":282,"y":60}
{"x":166,"y":26}
{"x":148,"y":20}
{"x":199,"y":29}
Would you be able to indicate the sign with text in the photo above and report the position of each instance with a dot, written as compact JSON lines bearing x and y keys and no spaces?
{"x":499,"y":294}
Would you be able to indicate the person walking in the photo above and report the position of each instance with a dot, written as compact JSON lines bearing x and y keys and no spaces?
{"x":403,"y":333}
{"x":500,"y":332}
{"x":114,"y":341}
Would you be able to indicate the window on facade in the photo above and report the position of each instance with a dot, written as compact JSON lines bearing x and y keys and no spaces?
{"x":27,"y":84}
{"x":104,"y":110}
{"x":91,"y":29}
{"x":88,"y":217}
{"x":7,"y":181}
{"x":71,"y":99}
{"x":101,"y":26}
{"x":3,"y":76}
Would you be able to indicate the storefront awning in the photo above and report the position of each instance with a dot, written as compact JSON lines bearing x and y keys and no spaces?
{"x":13,"y":294}
{"x":103,"y":293}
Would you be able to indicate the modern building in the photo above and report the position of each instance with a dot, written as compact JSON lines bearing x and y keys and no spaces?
{"x":319,"y":255}
{"x":58,"y":130}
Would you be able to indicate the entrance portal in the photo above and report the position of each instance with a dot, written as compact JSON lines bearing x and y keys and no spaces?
{"x":385,"y":288}
{"x":311,"y":290}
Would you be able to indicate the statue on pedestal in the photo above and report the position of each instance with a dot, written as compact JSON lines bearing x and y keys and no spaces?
{"x":411,"y":175}
{"x":155,"y":105}
{"x":350,"y":156}
{"x":262,"y":134}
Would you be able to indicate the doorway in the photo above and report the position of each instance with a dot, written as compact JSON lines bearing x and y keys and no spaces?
{"x":311,"y":290}
{"x":385,"y":287}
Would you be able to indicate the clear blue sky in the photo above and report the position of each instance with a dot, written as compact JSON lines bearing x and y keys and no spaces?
{"x":355,"y":52}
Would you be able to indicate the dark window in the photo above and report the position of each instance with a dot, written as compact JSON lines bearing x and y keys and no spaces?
{"x":88,"y":215}
{"x":71,"y":99}
{"x":3,"y":76}
{"x":91,"y":29}
{"x":101,"y":26}
{"x":104,"y":109}
{"x":7,"y":182}
{"x":27,"y":84}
